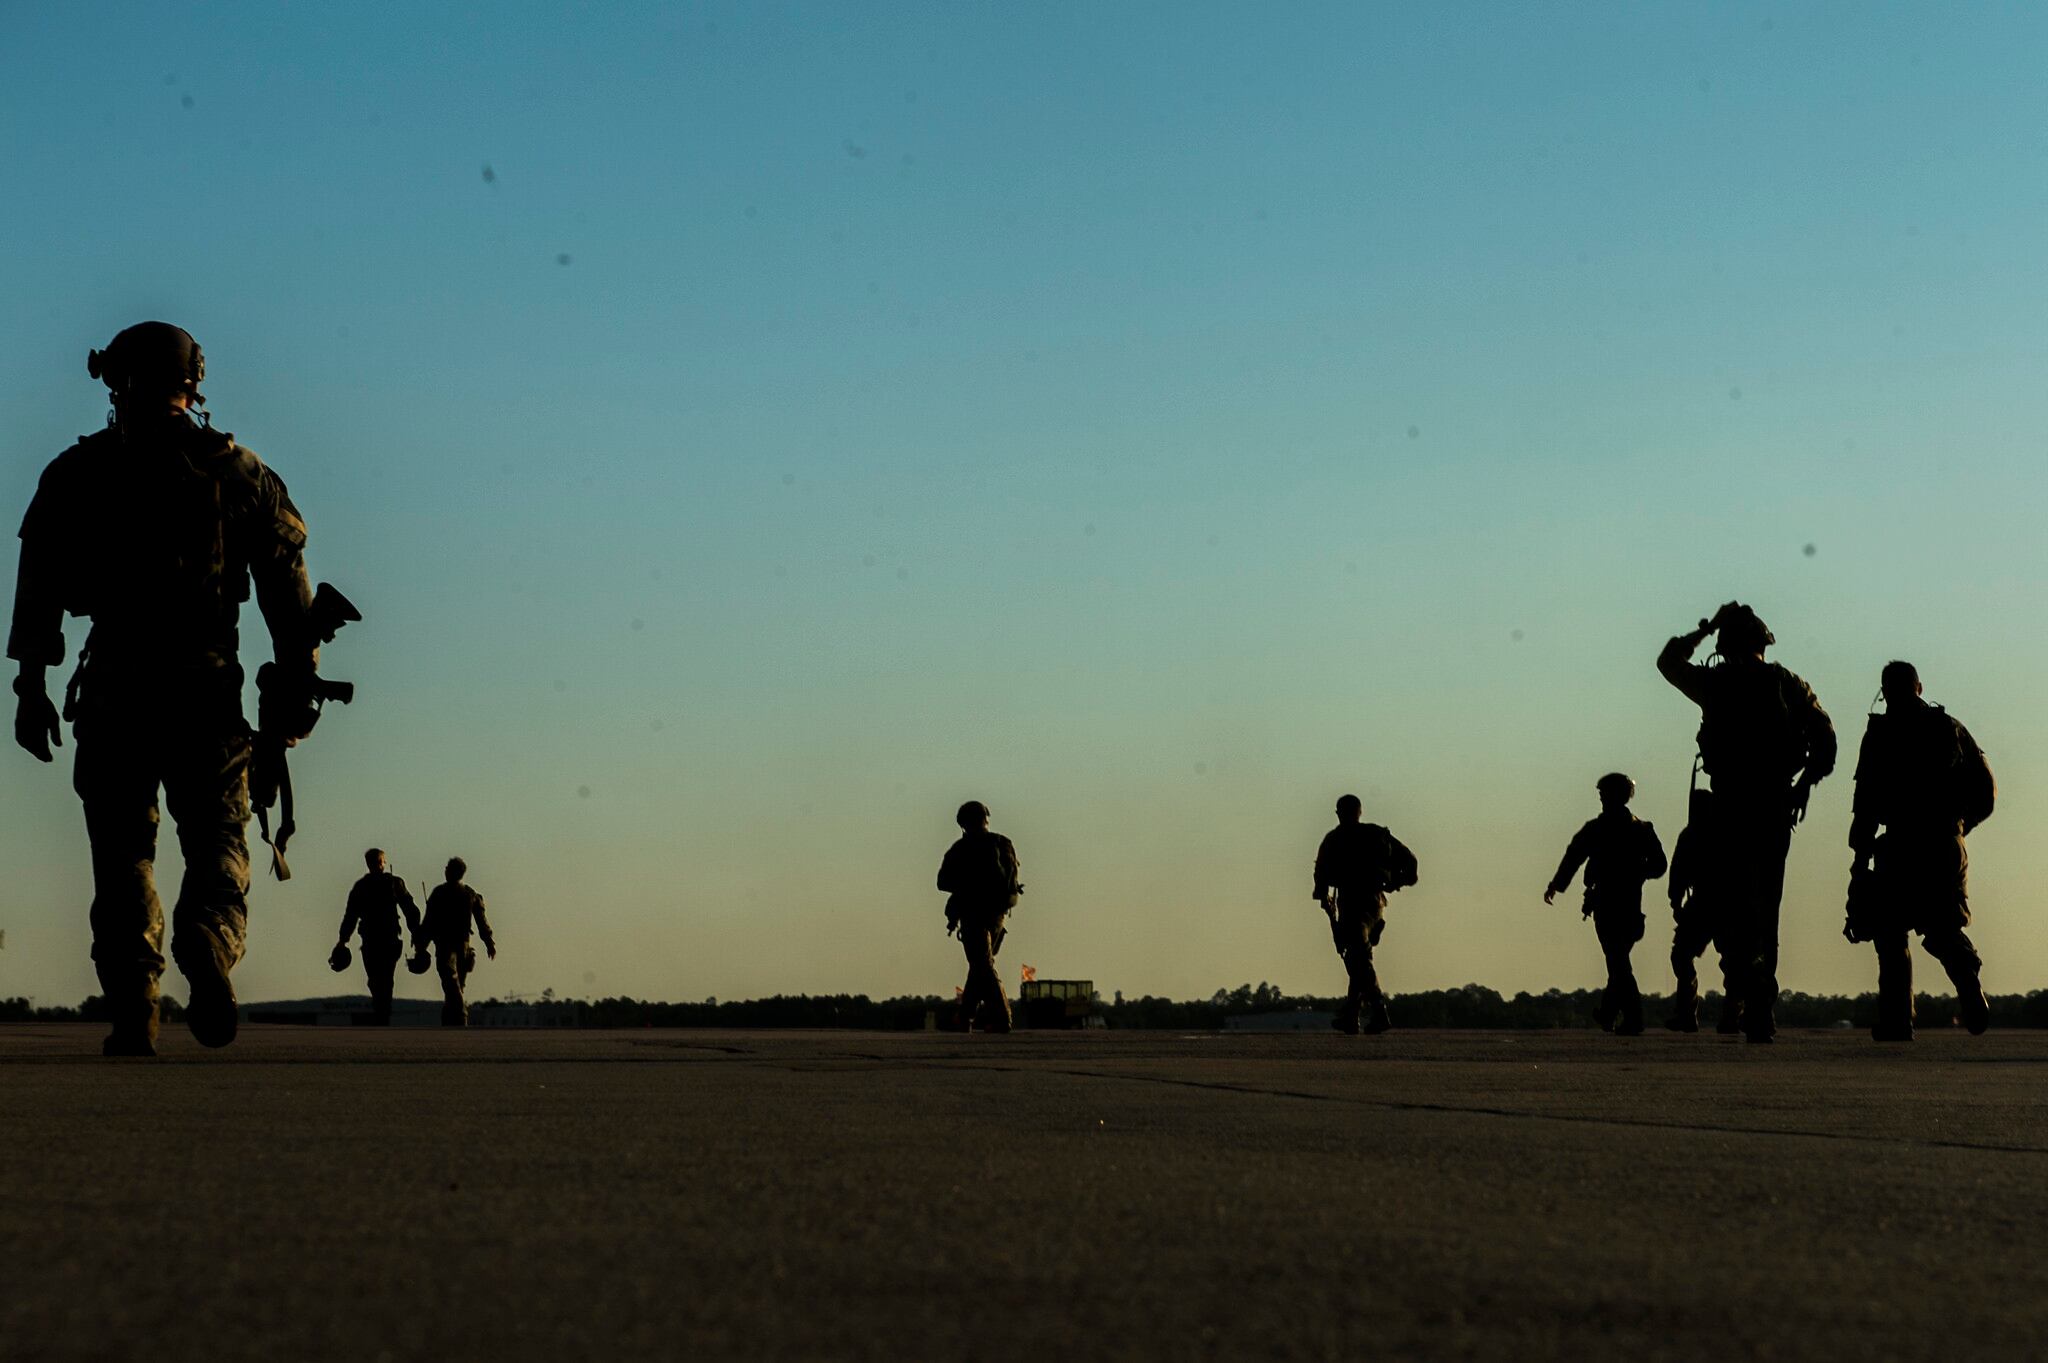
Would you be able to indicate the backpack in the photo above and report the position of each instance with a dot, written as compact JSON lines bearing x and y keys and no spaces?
{"x":1973,"y":791}
{"x":1749,"y":726}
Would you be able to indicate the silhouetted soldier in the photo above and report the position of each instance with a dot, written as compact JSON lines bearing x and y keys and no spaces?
{"x":374,"y":903}
{"x":154,"y":528}
{"x":1619,"y":852}
{"x":1695,"y":925}
{"x":1357,"y":864}
{"x":1923,"y":779}
{"x":450,"y":909}
{"x":979,"y":875}
{"x":1765,"y":743}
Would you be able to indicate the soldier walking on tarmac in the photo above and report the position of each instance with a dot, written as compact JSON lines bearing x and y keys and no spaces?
{"x":374,"y":903}
{"x":1765,"y":743}
{"x":155,"y":528}
{"x":1695,"y":923}
{"x":1619,"y":852}
{"x":979,"y":876}
{"x":1922,"y":778}
{"x":1357,"y":864}
{"x":450,"y":909}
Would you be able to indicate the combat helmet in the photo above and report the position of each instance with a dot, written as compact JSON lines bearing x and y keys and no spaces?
{"x":149,"y":352}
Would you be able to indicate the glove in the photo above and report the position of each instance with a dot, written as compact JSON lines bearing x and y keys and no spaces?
{"x":286,"y":705}
{"x":35,"y":722}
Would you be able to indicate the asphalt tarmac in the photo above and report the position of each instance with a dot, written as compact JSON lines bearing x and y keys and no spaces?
{"x":349,"y":1194}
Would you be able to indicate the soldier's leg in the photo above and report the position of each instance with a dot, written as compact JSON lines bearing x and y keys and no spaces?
{"x":1347,"y":935}
{"x":1618,"y":933}
{"x":984,"y":985}
{"x":1958,"y":956}
{"x":1365,"y":979}
{"x":380,"y":971}
{"x":1688,"y":941}
{"x":1894,"y":986}
{"x":448,"y":966}
{"x":207,"y":788}
{"x":1759,"y":851}
{"x":117,"y":784}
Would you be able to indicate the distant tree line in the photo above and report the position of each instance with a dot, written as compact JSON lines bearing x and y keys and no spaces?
{"x":1471,"y":1006}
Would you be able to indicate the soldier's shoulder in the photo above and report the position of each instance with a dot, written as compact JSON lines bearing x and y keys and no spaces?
{"x":84,"y":458}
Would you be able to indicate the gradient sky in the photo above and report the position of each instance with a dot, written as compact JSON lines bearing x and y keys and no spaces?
{"x":1153,"y":420}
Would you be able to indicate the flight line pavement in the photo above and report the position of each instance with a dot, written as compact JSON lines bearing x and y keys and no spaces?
{"x":355,"y":1195}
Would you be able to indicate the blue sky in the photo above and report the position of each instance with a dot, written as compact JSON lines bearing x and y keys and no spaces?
{"x":1152,"y":420}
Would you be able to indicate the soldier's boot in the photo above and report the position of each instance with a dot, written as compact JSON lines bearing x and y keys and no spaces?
{"x":1731,"y":1016}
{"x":1376,"y":1019}
{"x":206,"y":961}
{"x":131,"y":1012}
{"x":998,"y":1016}
{"x":1685,"y":1003}
{"x":1958,"y":956}
{"x":1894,"y":988}
{"x":1630,"y":1023}
{"x":1604,"y":1013}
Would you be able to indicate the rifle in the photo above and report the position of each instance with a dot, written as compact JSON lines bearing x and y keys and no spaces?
{"x":288,"y":705}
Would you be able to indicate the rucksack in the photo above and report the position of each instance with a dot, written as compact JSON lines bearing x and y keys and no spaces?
{"x":1973,"y":791}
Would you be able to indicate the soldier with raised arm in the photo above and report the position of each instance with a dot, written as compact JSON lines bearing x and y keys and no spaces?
{"x":155,"y":529}
{"x":1357,"y":865}
{"x":1765,"y":743}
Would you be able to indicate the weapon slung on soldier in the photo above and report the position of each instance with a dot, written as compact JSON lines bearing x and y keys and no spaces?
{"x":288,"y":705}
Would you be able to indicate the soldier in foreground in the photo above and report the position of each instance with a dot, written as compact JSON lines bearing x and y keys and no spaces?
{"x":979,"y":876}
{"x":154,"y":528}
{"x":1765,"y":743}
{"x":1694,"y":924}
{"x":1920,"y":777}
{"x":450,"y":909}
{"x":1619,"y":852}
{"x":374,"y":903}
{"x":1357,"y":865}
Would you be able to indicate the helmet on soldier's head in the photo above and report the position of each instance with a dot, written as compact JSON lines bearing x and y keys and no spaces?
{"x":339,"y":958}
{"x":1617,"y":786}
{"x":153,"y":353}
{"x":1742,"y":628}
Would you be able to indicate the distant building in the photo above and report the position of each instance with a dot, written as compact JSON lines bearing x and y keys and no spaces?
{"x":1058,"y":1003}
{"x":346,"y":1010}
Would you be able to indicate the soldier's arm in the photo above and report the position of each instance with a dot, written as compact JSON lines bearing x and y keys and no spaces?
{"x":948,"y":881}
{"x":1574,"y":857}
{"x":1681,"y":866}
{"x":1324,"y":870}
{"x":277,"y":566}
{"x":1654,"y":862}
{"x":1676,"y":665}
{"x":1820,"y":736}
{"x":1865,"y":804}
{"x":349,"y":917}
{"x":483,"y":927}
{"x":406,"y":906}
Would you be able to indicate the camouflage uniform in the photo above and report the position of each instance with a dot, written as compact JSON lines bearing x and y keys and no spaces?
{"x":1695,"y":925}
{"x":155,"y":533}
{"x":374,"y":903}
{"x":450,"y":908}
{"x":1360,"y":862}
{"x":979,"y":874}
{"x":1619,"y":852}
{"x":1904,"y":772}
{"x":1760,"y":727}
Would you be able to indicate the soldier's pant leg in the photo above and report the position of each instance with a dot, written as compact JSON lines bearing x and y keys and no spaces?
{"x":1894,"y":985}
{"x":380,"y":972}
{"x":984,"y":988}
{"x":116,"y":781}
{"x":1958,"y":956}
{"x":448,"y":965}
{"x":207,"y":788}
{"x":1758,"y":835}
{"x":1618,"y":933}
{"x":1690,"y":936}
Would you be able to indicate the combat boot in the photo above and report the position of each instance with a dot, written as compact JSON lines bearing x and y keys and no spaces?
{"x":1685,"y":1011}
{"x":1976,"y":1009}
{"x":132,"y":1011}
{"x":1731,"y":1017}
{"x":1377,"y":1020}
{"x":211,"y":1011}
